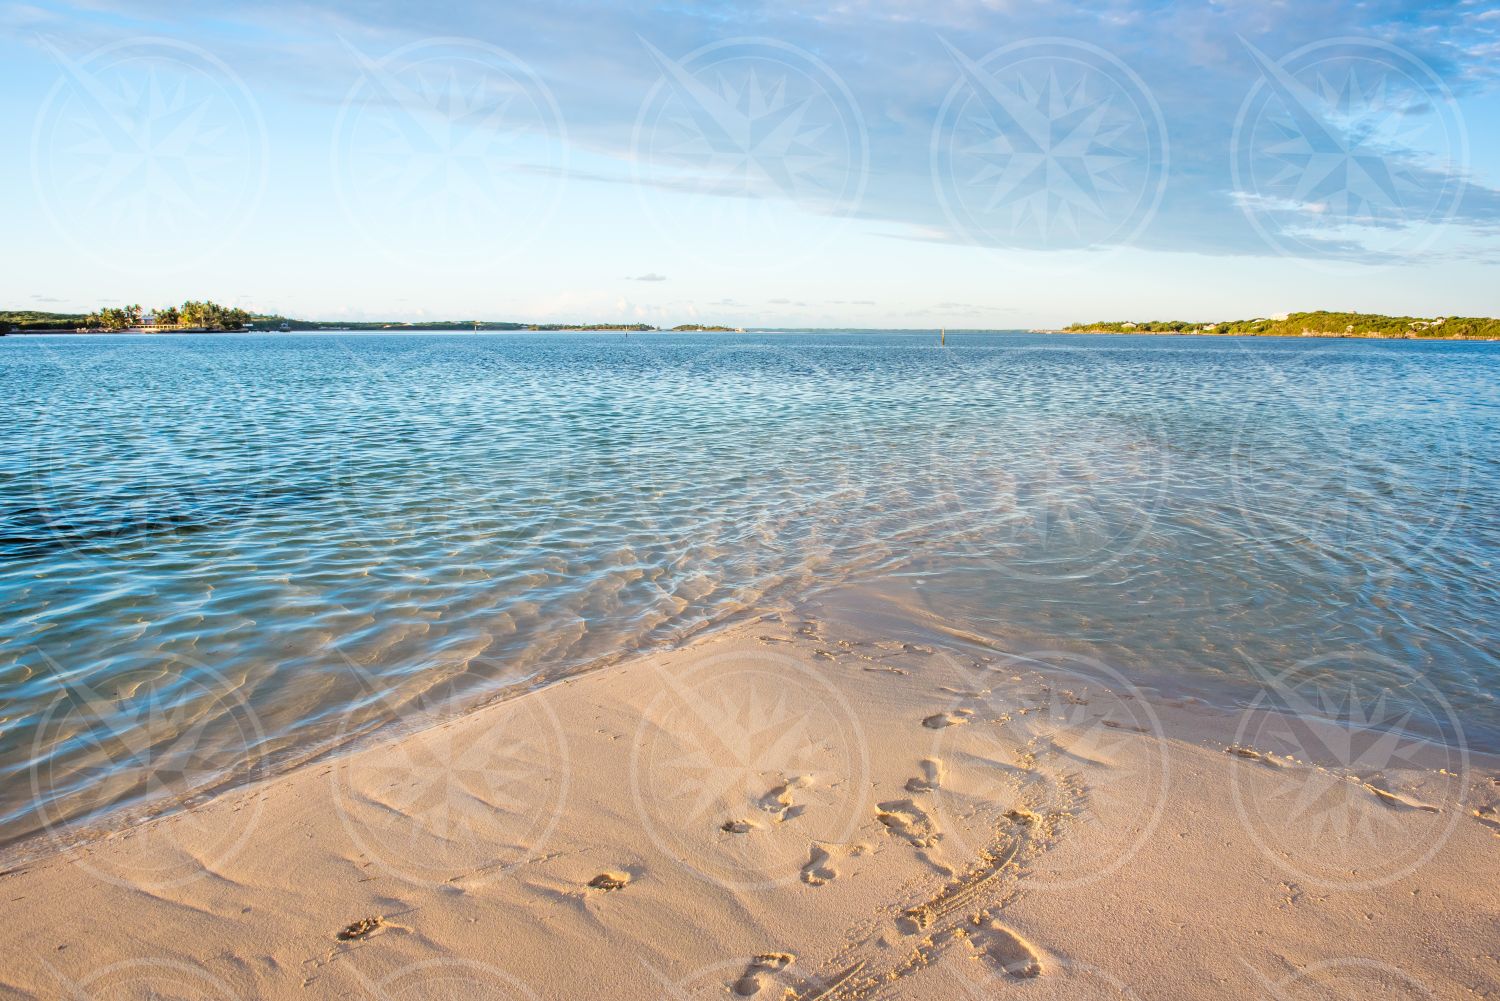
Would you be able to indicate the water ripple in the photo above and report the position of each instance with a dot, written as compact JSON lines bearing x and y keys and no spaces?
{"x":220,"y":553}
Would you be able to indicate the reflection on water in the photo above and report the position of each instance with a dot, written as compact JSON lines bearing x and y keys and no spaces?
{"x":219,"y":553}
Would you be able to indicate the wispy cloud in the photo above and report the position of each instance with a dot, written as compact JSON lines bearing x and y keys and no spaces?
{"x":1217,"y":73}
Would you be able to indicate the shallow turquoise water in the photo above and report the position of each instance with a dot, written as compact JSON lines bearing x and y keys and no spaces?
{"x":218,"y":553}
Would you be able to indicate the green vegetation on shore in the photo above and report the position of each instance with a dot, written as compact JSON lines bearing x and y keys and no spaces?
{"x":273,"y":322}
{"x":1316,"y":324}
{"x":29,"y":319}
{"x":193,"y":315}
{"x":589,"y":326}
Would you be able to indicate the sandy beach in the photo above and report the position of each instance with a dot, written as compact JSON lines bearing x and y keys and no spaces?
{"x":828,"y":804}
{"x":776,"y":501}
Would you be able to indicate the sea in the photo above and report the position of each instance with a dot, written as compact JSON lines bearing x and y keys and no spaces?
{"x":225,"y":554}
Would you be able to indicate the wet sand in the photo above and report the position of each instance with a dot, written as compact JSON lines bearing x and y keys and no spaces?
{"x":820,"y":805}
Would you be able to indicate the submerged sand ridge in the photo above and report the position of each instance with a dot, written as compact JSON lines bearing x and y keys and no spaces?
{"x":803,"y":808}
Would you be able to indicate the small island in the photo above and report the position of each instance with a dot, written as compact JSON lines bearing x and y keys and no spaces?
{"x":192,"y":316}
{"x":1315,"y":324}
{"x":590,"y":326}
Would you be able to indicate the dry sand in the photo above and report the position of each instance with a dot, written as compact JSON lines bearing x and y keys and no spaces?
{"x":809,"y":808}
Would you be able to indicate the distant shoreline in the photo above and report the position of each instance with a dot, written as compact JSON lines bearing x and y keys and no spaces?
{"x":1283,"y":337}
{"x":1318,"y":324}
{"x":457,"y":329}
{"x":599,"y":330}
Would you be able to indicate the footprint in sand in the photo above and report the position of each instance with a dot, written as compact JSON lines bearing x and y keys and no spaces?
{"x":817,"y":871}
{"x":610,"y":881}
{"x":753,"y":979}
{"x":930,"y":779}
{"x":907,"y":820}
{"x":1250,"y":754}
{"x":938,"y":721}
{"x":1489,"y":817}
{"x":1005,"y":949}
{"x":896,"y":646}
{"x":1397,"y":801}
{"x":361,"y":929}
{"x":778,"y":801}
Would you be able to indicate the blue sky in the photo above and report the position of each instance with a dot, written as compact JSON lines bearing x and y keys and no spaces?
{"x":867,"y":163}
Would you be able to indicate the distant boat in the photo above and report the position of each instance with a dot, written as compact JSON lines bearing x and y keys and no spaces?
{"x":285,"y":327}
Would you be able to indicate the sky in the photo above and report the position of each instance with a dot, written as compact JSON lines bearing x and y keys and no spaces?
{"x":998,"y":164}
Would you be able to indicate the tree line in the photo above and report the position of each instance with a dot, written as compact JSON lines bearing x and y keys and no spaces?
{"x":1314,"y":324}
{"x":191,"y":314}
